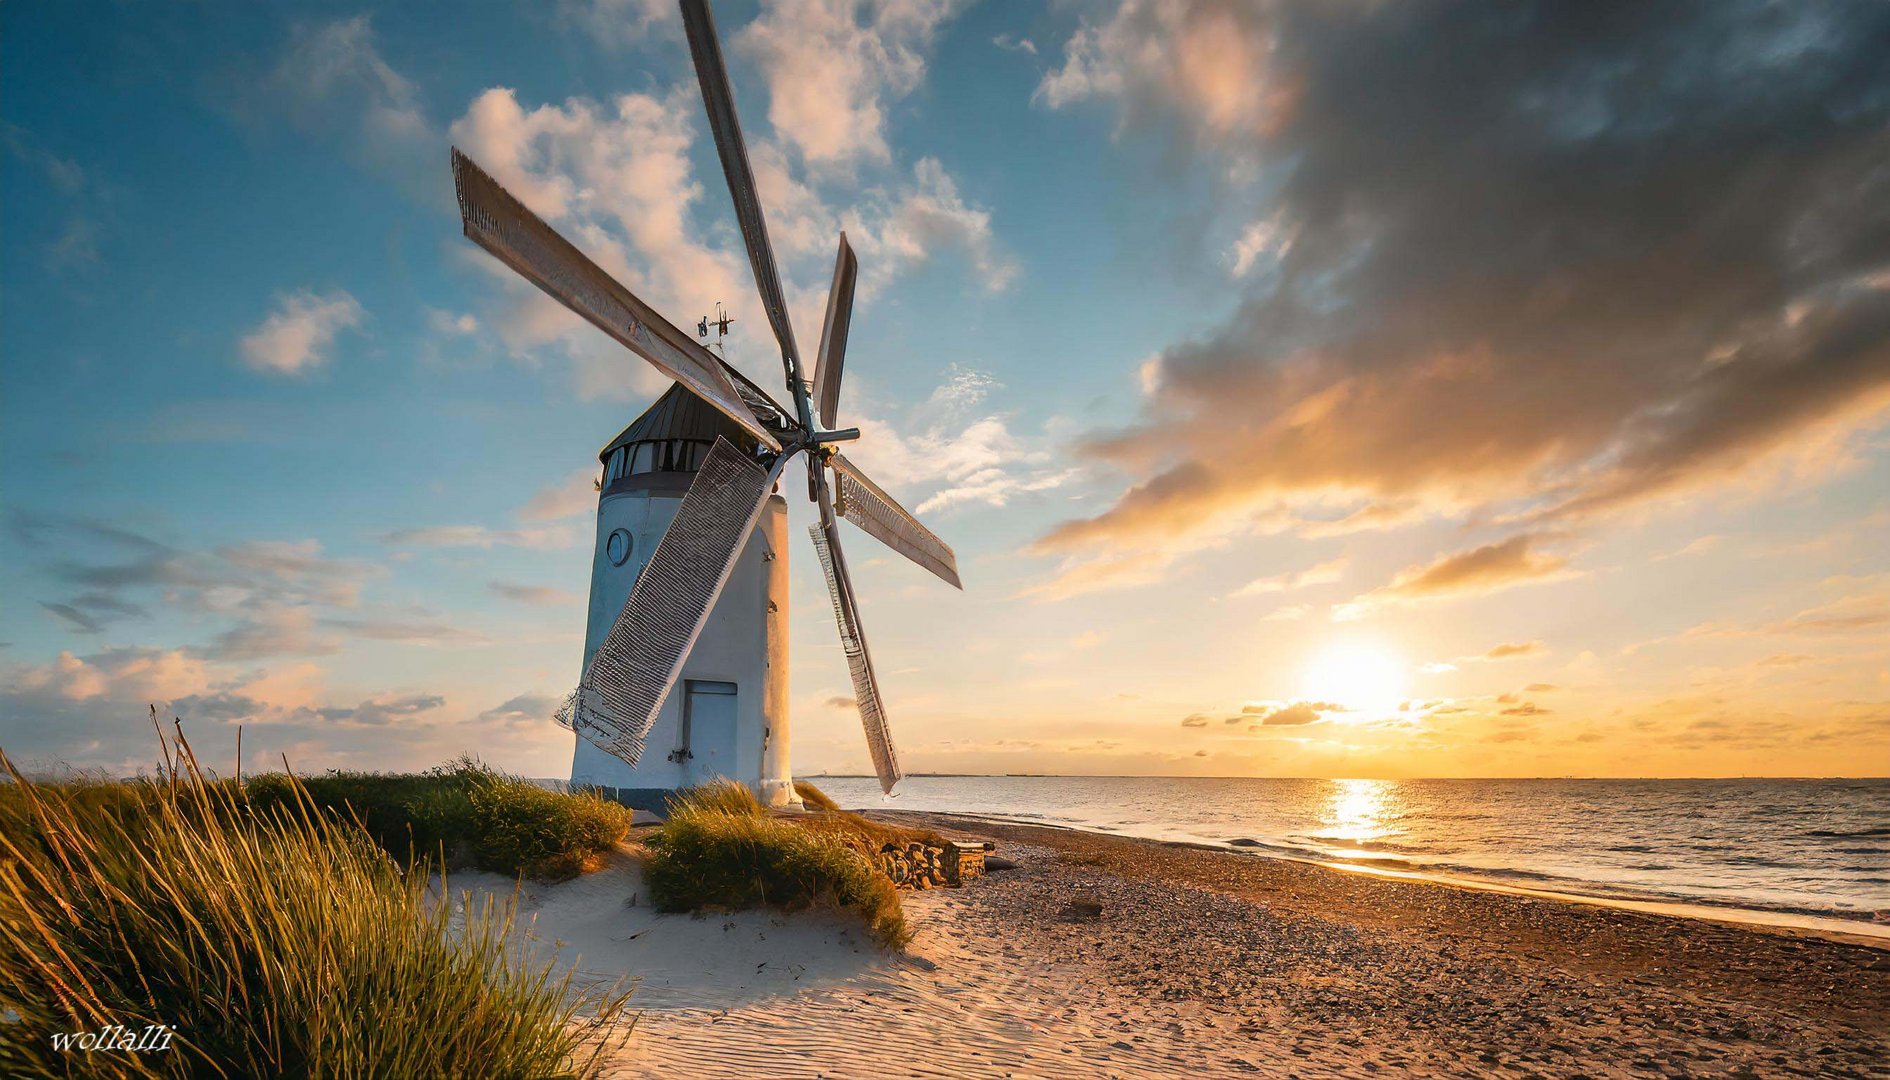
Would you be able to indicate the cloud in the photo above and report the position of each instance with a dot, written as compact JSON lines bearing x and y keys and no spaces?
{"x":1297,"y":714}
{"x":408,"y":631}
{"x":1324,"y":573}
{"x":618,"y":24}
{"x":1196,"y":720}
{"x":1590,"y":265}
{"x":841,"y":701}
{"x":1486,"y":569}
{"x":1540,"y":688}
{"x":480,"y":536}
{"x":617,"y":179}
{"x":525,"y":710}
{"x":72,"y":617}
{"x":927,"y":217}
{"x":539,"y":595}
{"x":955,"y":447}
{"x":1013,"y":43}
{"x":1512,"y":650}
{"x":282,"y":631}
{"x":382,"y":710}
{"x":576,"y":494}
{"x":831,"y":78}
{"x":332,"y":82}
{"x":295,"y":337}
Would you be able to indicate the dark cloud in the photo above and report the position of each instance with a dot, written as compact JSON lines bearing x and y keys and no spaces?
{"x":377,"y":711}
{"x":841,"y":701}
{"x":73,"y":618}
{"x":525,"y":709}
{"x":1511,"y":650}
{"x":1527,"y":708}
{"x":1547,"y":260}
{"x":1197,"y":720}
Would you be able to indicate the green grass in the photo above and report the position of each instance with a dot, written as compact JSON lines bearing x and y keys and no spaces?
{"x":465,"y":814}
{"x":720,"y":850}
{"x":276,"y":941}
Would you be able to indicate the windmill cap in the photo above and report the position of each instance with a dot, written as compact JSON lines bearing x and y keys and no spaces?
{"x":679,"y":414}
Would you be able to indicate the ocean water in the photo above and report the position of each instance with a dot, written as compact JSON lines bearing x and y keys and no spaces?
{"x":1819,"y":847}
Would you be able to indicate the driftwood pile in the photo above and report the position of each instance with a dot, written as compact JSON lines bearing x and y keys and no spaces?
{"x":917,"y":865}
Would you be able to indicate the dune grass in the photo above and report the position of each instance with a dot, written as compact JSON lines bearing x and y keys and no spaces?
{"x":813,"y":798}
{"x":721,"y":850}
{"x":275,"y":941}
{"x":464,"y":814}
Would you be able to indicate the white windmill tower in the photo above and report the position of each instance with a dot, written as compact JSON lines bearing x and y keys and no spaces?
{"x":689,"y":582}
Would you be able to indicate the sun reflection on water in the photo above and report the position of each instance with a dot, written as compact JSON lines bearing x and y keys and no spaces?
{"x":1358,"y":811}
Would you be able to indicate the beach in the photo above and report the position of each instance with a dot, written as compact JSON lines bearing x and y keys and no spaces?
{"x":1098,"y":955}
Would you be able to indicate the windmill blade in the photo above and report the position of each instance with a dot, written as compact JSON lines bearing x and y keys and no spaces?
{"x":498,"y":222}
{"x":633,"y":670}
{"x":833,"y":335}
{"x":867,"y":505}
{"x":853,"y":642}
{"x":706,"y":48}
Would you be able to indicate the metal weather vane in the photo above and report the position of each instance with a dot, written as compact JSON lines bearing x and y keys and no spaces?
{"x":631,"y":674}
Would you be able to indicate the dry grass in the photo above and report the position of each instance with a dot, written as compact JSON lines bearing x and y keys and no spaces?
{"x":277,"y":942}
{"x":813,"y":798}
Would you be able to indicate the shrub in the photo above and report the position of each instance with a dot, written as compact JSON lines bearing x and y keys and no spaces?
{"x":279,"y":942}
{"x":465,"y":814}
{"x":814,"y":798}
{"x":705,"y":857}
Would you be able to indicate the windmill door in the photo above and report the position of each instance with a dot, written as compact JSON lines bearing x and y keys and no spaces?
{"x":709,"y":728}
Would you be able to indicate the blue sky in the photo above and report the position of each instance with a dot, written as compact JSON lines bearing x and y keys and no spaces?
{"x":1248,"y":368}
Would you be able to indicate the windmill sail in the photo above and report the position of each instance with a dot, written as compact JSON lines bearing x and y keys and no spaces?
{"x":633,"y":670}
{"x":867,"y":505}
{"x":706,"y":49}
{"x":833,"y":335}
{"x":502,"y":225}
{"x":853,"y":642}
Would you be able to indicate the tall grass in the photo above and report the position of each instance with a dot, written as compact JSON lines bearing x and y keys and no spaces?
{"x":719,"y":849}
{"x":278,"y":942}
{"x":813,"y":798}
{"x":464,"y":814}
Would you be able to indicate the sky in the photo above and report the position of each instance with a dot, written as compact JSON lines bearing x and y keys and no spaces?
{"x":1309,"y":389}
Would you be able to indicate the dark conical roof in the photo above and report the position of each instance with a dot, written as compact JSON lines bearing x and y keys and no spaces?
{"x":679,"y":414}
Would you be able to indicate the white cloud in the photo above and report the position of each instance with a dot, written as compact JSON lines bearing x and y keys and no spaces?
{"x":831,"y":78}
{"x":618,"y":24}
{"x":963,"y":457}
{"x":1012,"y":43}
{"x":924,"y":218}
{"x":1214,"y":60}
{"x":1323,"y":574}
{"x":462,"y":324}
{"x":334,"y":82}
{"x":617,"y":180}
{"x":294,"y":339}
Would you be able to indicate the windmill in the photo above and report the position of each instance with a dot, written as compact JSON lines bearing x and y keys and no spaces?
{"x":632,"y":671}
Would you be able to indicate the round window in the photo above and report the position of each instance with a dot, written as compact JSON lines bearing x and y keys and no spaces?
{"x":618,"y":546}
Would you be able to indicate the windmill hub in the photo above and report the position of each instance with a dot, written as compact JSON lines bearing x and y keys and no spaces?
{"x":689,"y":580}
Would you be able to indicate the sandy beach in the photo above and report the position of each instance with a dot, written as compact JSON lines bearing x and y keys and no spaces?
{"x":1211,"y":963}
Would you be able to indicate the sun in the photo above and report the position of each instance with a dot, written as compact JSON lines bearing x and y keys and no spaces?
{"x":1365,"y":677}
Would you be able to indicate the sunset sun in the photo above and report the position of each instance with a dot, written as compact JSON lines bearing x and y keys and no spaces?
{"x":1365,"y":677}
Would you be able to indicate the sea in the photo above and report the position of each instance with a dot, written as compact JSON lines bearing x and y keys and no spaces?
{"x":1807,"y":847}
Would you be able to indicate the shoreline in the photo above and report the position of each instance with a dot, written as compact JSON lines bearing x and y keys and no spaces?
{"x":1859,"y":929}
{"x":1102,"y":955}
